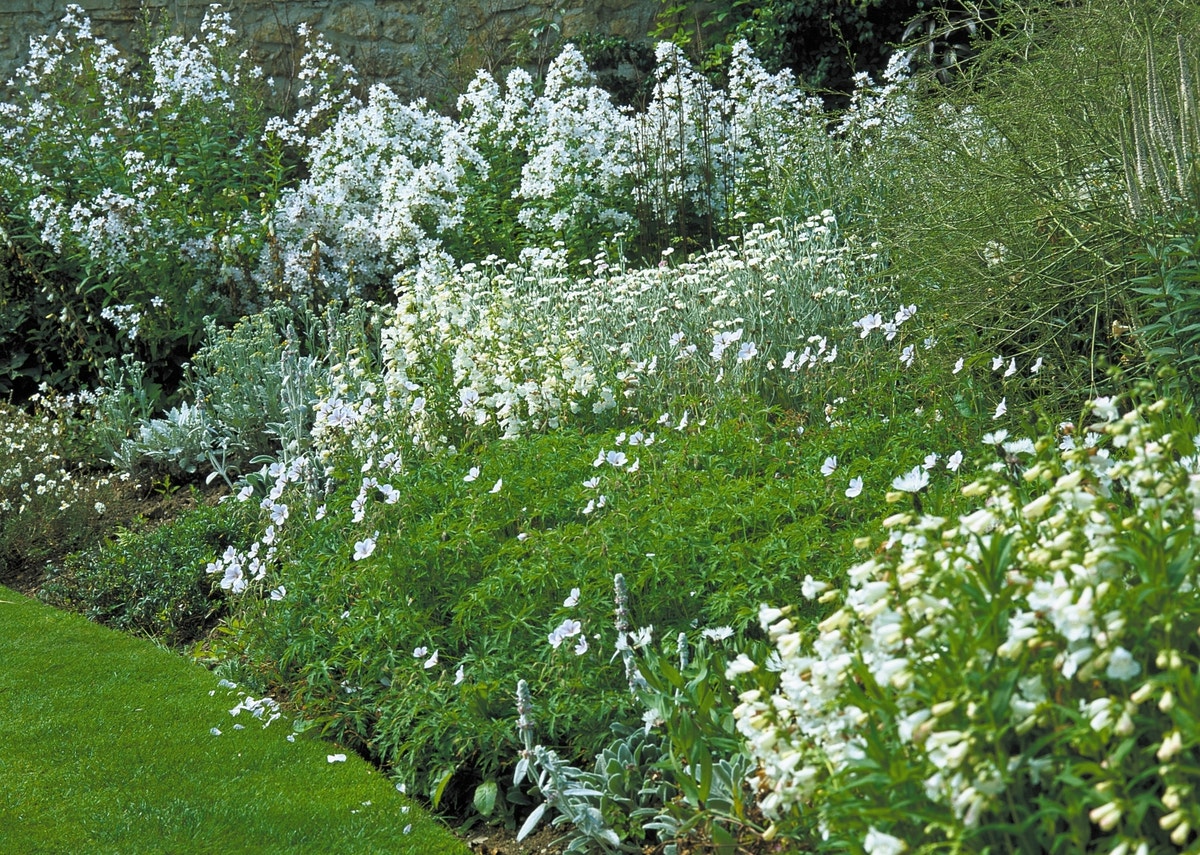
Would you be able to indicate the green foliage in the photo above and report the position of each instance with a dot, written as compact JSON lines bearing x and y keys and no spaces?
{"x":154,"y":582}
{"x":1006,"y":193}
{"x":1170,"y":302}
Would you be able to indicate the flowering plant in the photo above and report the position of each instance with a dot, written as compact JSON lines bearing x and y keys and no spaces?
{"x":1020,"y":677}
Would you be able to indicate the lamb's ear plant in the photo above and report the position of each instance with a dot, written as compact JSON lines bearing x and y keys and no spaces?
{"x":1020,"y":676}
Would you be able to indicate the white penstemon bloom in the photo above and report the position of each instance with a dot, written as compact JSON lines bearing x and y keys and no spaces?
{"x":1064,"y":630}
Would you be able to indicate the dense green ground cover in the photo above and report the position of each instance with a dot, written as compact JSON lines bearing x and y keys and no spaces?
{"x":110,"y":749}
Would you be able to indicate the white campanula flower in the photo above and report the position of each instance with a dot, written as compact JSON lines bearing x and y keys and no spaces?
{"x":592,"y":483}
{"x":418,"y":652}
{"x":908,"y":355}
{"x":719,"y":633}
{"x":279,"y":593}
{"x":616,"y":458}
{"x":931,"y":460}
{"x":320,"y":514}
{"x":747,"y":351}
{"x":472,"y":474}
{"x":1001,"y":409}
{"x":997,"y":363}
{"x":855,"y":489}
{"x":958,"y":366}
{"x":581,"y":646}
{"x":572,"y":600}
{"x":1012,"y":368}
{"x":954,"y":461}
{"x":335,"y":758}
{"x":498,"y":486}
{"x":431,"y":661}
{"x":1036,"y":367}
{"x":829,"y":466}
{"x":460,"y":675}
{"x":279,"y":513}
{"x":245,"y":494}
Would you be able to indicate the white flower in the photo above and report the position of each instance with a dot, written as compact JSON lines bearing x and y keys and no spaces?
{"x":878,"y":843}
{"x":459,"y":675}
{"x":245,"y":494}
{"x":573,"y":600}
{"x":997,"y":362}
{"x":742,"y":665}
{"x":432,"y":660}
{"x":747,"y":351}
{"x":867,"y":323}
{"x":829,"y":466}
{"x":567,"y":629}
{"x":810,"y":589}
{"x":908,"y":354}
{"x":1122,"y":665}
{"x":279,"y":593}
{"x":995,"y":437}
{"x":958,"y":366}
{"x":335,"y":758}
{"x":1106,"y":409}
{"x":954,"y":461}
{"x":472,"y":474}
{"x":855,"y":489}
{"x":581,"y":646}
{"x":1036,"y":367}
{"x":1012,"y":368}
{"x":1001,"y":409}
{"x":592,"y":483}
{"x":616,"y":458}
{"x":418,"y":652}
{"x":363,"y":548}
{"x":913,"y":481}
{"x":931,"y":460}
{"x":719,"y":633}
{"x":498,"y":486}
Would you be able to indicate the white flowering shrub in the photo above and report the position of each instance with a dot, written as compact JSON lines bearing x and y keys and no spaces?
{"x":132,"y":191}
{"x":1021,"y":678}
{"x":382,"y":192}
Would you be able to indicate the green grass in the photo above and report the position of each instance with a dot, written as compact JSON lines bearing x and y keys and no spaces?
{"x":107,"y":748}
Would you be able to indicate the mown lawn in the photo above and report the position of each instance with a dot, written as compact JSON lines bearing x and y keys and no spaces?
{"x":108,"y":747}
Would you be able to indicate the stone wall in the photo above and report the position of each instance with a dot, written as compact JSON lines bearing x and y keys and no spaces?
{"x":419,"y":47}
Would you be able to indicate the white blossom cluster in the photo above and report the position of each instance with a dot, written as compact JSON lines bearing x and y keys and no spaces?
{"x":962,"y":635}
{"x":35,"y":480}
{"x":383,"y":189}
